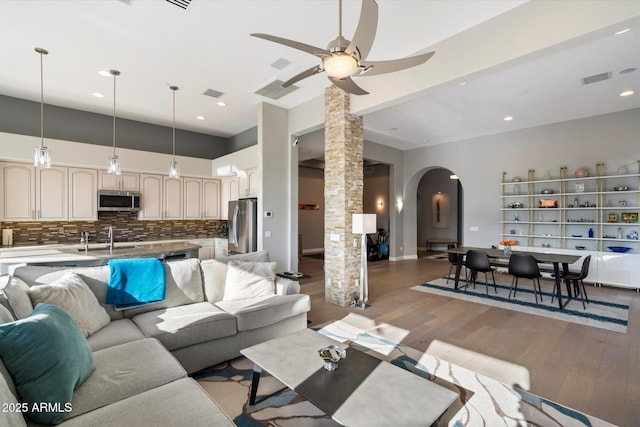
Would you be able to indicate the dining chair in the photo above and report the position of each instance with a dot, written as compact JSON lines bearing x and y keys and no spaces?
{"x":524,"y":266}
{"x":578,"y":281}
{"x":478,"y":262}
{"x":453,"y":260}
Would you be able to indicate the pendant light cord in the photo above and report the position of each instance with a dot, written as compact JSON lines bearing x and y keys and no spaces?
{"x":174,"y":89}
{"x":114,"y":110}
{"x":42,"y":52}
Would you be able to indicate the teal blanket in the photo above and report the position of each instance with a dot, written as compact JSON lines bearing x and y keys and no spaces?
{"x":135,"y":281}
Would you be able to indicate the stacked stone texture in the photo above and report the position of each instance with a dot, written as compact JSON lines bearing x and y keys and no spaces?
{"x":343,"y":189}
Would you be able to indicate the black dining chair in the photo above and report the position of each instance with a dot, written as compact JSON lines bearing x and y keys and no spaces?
{"x":524,"y":266}
{"x":478,"y":262}
{"x":578,"y":281}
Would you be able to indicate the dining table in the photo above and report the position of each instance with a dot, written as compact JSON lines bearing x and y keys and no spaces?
{"x":553,"y":258}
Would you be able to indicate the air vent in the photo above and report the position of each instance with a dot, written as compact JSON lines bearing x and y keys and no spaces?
{"x":213,"y":93}
{"x":183,"y":4}
{"x":596,"y":78}
{"x":275,"y":90}
{"x":280,"y":63}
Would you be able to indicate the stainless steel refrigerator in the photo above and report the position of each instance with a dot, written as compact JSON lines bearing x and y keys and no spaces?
{"x":243,"y":226}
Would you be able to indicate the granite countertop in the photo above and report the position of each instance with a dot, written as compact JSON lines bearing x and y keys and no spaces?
{"x":64,"y":253}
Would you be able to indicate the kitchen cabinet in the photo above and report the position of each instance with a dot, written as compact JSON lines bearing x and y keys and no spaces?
{"x":211,"y":198}
{"x":229,"y":191}
{"x":221,"y":247}
{"x":128,"y":181}
{"x":51,"y":194}
{"x":192,"y":189}
{"x":83,"y":194}
{"x":172,"y":198}
{"x":18,"y":192}
{"x":248,"y":183}
{"x":207,"y":248}
{"x":585,"y":215}
{"x":151,"y":187}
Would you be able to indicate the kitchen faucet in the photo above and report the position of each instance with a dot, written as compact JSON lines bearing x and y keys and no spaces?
{"x":110,"y":236}
{"x":84,"y":240}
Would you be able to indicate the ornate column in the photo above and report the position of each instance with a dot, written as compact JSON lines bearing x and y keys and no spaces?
{"x":343,"y":183}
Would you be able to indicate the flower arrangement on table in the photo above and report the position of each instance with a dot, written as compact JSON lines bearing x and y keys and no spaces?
{"x":507,"y":245}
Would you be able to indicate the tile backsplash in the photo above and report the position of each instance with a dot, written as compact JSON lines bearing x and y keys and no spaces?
{"x":126,"y":227}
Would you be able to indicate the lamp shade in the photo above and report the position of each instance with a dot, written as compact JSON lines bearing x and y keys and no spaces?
{"x":363,"y":223}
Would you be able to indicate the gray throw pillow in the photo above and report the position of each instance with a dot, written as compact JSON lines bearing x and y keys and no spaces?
{"x":17,"y":293}
{"x":246,"y":280}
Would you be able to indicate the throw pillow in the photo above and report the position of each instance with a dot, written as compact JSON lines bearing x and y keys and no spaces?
{"x":48,"y":358}
{"x":17,"y":293}
{"x":247,"y":280}
{"x":72,"y":294}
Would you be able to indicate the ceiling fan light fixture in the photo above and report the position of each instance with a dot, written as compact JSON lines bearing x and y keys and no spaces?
{"x":340,"y":65}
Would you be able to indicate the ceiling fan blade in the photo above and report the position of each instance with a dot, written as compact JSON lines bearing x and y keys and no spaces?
{"x":303,"y":75}
{"x":381,"y":67}
{"x":348,"y":85}
{"x":366,"y":30}
{"x":317,"y":51}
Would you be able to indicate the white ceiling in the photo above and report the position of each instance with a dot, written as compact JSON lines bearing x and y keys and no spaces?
{"x":156,"y":44}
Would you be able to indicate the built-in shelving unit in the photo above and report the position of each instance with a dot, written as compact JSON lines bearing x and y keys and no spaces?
{"x":580,"y":215}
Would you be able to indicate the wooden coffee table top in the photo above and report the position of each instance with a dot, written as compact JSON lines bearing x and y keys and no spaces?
{"x":363,"y":391}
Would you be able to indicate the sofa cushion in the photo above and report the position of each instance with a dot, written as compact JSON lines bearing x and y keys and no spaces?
{"x":214,"y":272}
{"x":5,"y":315}
{"x":258,"y":312}
{"x":181,"y":326}
{"x":72,"y":294}
{"x":97,"y":278}
{"x":247,"y":280}
{"x":179,"y":403}
{"x":115,"y":333}
{"x":123,"y":371}
{"x":11,"y":408}
{"x":16,"y":292}
{"x":48,"y":357}
{"x":183,"y":286}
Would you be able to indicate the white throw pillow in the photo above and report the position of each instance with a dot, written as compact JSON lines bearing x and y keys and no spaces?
{"x":17,"y":294}
{"x":247,"y":280}
{"x":73,"y":295}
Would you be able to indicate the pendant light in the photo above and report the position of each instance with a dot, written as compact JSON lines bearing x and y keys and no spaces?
{"x":114,"y":163}
{"x":41,"y":154}
{"x":174,"y":167}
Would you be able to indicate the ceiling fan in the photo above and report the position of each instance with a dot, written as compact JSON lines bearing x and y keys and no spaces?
{"x":343,"y":59}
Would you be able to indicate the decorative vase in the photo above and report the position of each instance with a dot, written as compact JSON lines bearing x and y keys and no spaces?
{"x":507,"y":250}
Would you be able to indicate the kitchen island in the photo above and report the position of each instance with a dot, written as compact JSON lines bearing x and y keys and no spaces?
{"x":98,"y":254}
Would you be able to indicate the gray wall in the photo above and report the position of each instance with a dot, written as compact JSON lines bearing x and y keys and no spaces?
{"x":376,"y":188}
{"x":242,"y":140}
{"x":311,"y":222}
{"x":22,"y":117}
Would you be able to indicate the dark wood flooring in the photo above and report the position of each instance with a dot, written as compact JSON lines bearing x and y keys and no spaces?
{"x":588,"y":369}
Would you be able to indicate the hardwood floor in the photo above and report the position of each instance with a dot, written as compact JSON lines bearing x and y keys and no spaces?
{"x":591,"y":370}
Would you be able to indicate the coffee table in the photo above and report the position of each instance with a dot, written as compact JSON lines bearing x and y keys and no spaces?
{"x":363,"y":391}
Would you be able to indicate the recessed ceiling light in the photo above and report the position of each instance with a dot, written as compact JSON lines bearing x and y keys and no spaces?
{"x":508,"y":118}
{"x":221,"y":104}
{"x":104,"y":73}
{"x":627,"y":93}
{"x":97,"y":95}
{"x":200,"y":117}
{"x":393,"y":129}
{"x":622,"y":31}
{"x":462,"y":83}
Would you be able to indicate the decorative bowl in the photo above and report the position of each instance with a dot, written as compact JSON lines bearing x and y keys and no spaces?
{"x":331,"y":355}
{"x":581,"y":173}
{"x":620,"y":188}
{"x":547,"y":191}
{"x":621,"y":249}
{"x":576,"y":235}
{"x":580,"y":248}
{"x":516,"y":205}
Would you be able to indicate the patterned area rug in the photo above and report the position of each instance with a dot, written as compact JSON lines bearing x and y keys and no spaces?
{"x":483,"y":401}
{"x":610,"y":315}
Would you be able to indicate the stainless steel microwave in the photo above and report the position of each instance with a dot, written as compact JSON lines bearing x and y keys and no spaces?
{"x":117,"y":200}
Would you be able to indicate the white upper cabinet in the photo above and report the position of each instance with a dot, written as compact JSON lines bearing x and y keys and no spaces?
{"x":51,"y":194}
{"x":248,"y":183}
{"x":151,"y":188}
{"x":192,"y":189}
{"x":172,"y":198}
{"x":129,"y":181}
{"x":18,"y":192}
{"x":229,"y":191}
{"x":211,"y":198}
{"x":83,"y":194}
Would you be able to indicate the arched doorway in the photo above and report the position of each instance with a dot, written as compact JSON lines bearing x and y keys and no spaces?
{"x":439,"y":210}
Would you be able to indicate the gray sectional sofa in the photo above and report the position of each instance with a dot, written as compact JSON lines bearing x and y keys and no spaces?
{"x":143,"y":355}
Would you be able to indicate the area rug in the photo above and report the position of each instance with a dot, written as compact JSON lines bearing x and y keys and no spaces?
{"x":609,"y":315}
{"x":482,"y":401}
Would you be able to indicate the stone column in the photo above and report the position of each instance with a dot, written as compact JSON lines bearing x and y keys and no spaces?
{"x":343,"y":183}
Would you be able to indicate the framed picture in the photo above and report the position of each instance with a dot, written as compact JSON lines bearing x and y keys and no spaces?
{"x":629,"y":216}
{"x":612,"y":217}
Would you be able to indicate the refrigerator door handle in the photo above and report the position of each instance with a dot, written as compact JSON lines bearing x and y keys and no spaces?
{"x":234,"y":232}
